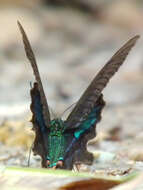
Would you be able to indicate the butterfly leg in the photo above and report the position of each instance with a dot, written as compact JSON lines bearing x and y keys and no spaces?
{"x":77,"y":166}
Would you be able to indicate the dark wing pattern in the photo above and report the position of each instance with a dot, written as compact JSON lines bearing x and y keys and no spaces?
{"x":40,"y":145}
{"x":88,"y":99}
{"x":31,"y":57}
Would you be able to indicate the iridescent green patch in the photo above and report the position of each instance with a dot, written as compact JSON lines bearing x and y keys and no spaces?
{"x":56,"y":142}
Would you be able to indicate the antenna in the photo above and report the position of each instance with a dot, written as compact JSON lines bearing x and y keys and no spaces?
{"x":52,"y":112}
{"x":68,"y":108}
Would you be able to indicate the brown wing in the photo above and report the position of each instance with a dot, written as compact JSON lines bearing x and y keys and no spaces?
{"x":92,"y":93}
{"x":31,"y":57}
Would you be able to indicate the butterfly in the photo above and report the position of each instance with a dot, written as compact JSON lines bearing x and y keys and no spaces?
{"x":63,"y":144}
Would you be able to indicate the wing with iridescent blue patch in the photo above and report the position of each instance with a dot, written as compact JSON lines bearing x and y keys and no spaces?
{"x":87,"y":111}
{"x":86,"y":131}
{"x":40,"y":145}
{"x":36,"y":108}
{"x":92,"y":119}
{"x":77,"y":148}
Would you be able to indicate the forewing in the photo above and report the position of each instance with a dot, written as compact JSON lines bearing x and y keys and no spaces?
{"x":92,"y":93}
{"x":31,"y":57}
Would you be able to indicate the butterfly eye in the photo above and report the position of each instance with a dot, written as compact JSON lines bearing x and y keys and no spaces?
{"x":48,"y":162}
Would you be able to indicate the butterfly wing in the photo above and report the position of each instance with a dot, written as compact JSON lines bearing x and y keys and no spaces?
{"x":76,"y":151}
{"x":31,"y":57}
{"x":39,"y":106}
{"x":39,"y":126}
{"x":88,"y":100}
{"x":87,"y":112}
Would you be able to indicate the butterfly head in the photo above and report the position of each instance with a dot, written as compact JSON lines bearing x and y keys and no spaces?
{"x":56,"y":144}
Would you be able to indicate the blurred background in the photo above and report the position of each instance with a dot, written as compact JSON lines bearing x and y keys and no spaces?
{"x":72,"y":40}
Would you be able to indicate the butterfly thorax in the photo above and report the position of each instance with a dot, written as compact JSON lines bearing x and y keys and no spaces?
{"x":56,"y":142}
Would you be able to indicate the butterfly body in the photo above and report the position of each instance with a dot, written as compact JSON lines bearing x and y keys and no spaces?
{"x":62,"y":144}
{"x":56,"y":142}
